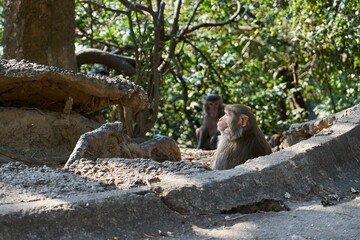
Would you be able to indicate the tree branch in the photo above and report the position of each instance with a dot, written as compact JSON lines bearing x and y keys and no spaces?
{"x":188,"y":30}
{"x":179,"y":76}
{"x":223,"y":92}
{"x":174,"y":29}
{"x":102,"y":6}
{"x":136,"y":7}
{"x":121,"y":64}
{"x":156,"y":71}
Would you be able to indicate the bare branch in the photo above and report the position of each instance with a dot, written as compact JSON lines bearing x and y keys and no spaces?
{"x":156,"y":64}
{"x":179,"y":76}
{"x":102,"y":6}
{"x":174,"y":29}
{"x":224,"y":94}
{"x":191,"y":18}
{"x":215,"y":24}
{"x":136,"y":51}
{"x":137,"y":7}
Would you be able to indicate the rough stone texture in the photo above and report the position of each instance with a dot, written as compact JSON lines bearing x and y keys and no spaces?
{"x":40,"y":136}
{"x":109,"y":141}
{"x":302,"y":131}
{"x":324,"y":167}
{"x":46,"y":137}
{"x":318,"y":166}
{"x":24,"y":84}
{"x":161,"y":149}
{"x":82,"y":217}
{"x":102,"y":137}
{"x":131,"y":173}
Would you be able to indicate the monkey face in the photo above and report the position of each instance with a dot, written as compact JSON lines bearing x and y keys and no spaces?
{"x":222,"y":124}
{"x":232,"y":125}
{"x":212,"y":108}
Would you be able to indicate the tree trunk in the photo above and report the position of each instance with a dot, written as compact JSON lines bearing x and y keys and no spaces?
{"x":40,"y":31}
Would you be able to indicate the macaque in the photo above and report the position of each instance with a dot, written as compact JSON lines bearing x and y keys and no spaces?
{"x":241,"y":138}
{"x":275,"y":141}
{"x":207,"y":134}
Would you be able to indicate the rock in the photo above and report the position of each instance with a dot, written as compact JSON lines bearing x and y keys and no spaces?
{"x":161,"y":149}
{"x":110,"y":141}
{"x":302,"y":131}
{"x":25,"y":84}
{"x":40,"y":136}
{"x":321,"y":165}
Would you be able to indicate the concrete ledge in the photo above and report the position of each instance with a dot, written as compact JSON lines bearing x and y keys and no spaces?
{"x":98,"y":216}
{"x":324,"y":164}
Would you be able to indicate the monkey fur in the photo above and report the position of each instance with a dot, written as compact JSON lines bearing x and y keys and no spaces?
{"x":207,"y":134}
{"x":241,"y":138}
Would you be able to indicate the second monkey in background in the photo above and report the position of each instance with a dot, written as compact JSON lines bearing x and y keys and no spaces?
{"x":207,"y":134}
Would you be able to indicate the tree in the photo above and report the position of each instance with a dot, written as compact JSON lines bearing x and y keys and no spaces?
{"x":155,"y":46}
{"x":179,"y":51}
{"x":41,"y":31}
{"x":237,"y":60}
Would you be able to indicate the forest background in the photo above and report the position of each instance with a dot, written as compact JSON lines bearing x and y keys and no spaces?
{"x":290,"y":61}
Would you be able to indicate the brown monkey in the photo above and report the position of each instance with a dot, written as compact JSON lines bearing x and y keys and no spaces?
{"x":241,"y":138}
{"x":275,"y":141}
{"x":207,"y":134}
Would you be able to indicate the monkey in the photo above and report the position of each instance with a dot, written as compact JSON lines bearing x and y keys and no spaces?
{"x":275,"y":141}
{"x":241,"y":138}
{"x":207,"y":134}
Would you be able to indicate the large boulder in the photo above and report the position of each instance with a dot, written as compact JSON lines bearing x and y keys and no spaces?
{"x":43,"y":109}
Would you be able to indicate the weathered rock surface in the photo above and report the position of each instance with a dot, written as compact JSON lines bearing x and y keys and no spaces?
{"x":325,"y":164}
{"x":302,"y":131}
{"x":150,"y":200}
{"x":42,"y":109}
{"x":109,"y":140}
{"x":40,"y":136}
{"x":45,"y":137}
{"x":25,"y":84}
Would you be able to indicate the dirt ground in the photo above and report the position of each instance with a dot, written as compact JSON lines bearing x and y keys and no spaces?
{"x":22,"y":182}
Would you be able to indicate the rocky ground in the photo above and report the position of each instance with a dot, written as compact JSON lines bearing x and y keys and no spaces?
{"x":24,"y":183}
{"x":306,"y":219}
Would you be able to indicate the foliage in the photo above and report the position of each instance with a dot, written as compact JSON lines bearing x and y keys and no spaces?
{"x":236,"y":60}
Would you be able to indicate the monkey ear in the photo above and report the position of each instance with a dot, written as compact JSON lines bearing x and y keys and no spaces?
{"x":243,"y":120}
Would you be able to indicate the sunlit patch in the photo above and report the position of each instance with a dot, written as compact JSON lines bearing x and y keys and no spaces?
{"x":224,"y":232}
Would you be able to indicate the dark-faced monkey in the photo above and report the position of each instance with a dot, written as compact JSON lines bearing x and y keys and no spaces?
{"x":241,"y":138}
{"x":207,"y":134}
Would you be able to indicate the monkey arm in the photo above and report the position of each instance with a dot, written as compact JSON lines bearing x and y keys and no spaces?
{"x":203,"y":138}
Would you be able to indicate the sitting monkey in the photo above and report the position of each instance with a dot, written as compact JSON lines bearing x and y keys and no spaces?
{"x":207,"y":134}
{"x":241,"y":138}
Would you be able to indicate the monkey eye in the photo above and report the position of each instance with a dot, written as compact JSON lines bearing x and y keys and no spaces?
{"x":226,"y":114}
